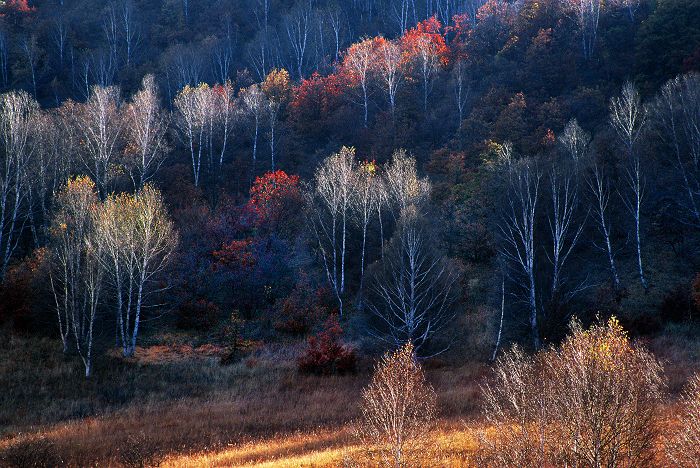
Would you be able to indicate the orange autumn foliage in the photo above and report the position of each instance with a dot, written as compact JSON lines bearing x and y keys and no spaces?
{"x":427,"y":34}
{"x":16,"y":6}
{"x":316,"y":96}
{"x":271,"y":193}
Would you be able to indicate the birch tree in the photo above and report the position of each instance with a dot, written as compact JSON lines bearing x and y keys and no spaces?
{"x":338,"y":24}
{"x":358,"y":64}
{"x":575,"y":141}
{"x":130,"y":31}
{"x":155,"y":241}
{"x":254,"y":102}
{"x":413,"y":293}
{"x":298,"y":25}
{"x":682,"y":446}
{"x":676,"y":112}
{"x":146,"y":127}
{"x":592,"y":401}
{"x":76,"y":274}
{"x":18,"y":113}
{"x":277,"y":88}
{"x":366,"y":197}
{"x":100,"y":128}
{"x":110,"y":28}
{"x":224,"y":110}
{"x":462,"y":88}
{"x":587,"y":14}
{"x":599,"y":185}
{"x":517,"y":233}
{"x":564,"y":226}
{"x":31,"y":53}
{"x":191,"y":121}
{"x":564,"y":222}
{"x":429,"y":64}
{"x":222,"y":56}
{"x":330,"y":203}
{"x":59,"y":35}
{"x":138,"y":240}
{"x":427,"y":51}
{"x":628,"y":118}
{"x":388,"y":68}
{"x":630,"y":6}
{"x":50,"y":167}
{"x":398,"y":411}
{"x":404,"y":186}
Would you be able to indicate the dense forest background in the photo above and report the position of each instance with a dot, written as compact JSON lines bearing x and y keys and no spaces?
{"x":521,"y":162}
{"x":216,"y":214}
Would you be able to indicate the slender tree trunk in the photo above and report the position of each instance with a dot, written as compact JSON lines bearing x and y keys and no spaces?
{"x":255,"y":140}
{"x":9,"y":238}
{"x":611,"y":259}
{"x":342,"y":256}
{"x":364,"y":93}
{"x":381,"y":229}
{"x":642,"y":279}
{"x":272,"y":144}
{"x":225,"y":142}
{"x":137,"y":318}
{"x":199,"y":157}
{"x":500,"y":323}
{"x":533,"y":312}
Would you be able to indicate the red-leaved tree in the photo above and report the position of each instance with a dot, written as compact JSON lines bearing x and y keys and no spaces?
{"x":272,"y":197}
{"x":315,"y":100}
{"x":426,"y":52}
{"x":16,"y":6}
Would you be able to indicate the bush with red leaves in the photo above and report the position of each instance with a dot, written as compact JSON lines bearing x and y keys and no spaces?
{"x":326,"y":354}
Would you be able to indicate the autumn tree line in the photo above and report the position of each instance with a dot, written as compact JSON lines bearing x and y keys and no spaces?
{"x":378,"y":213}
{"x":371,"y":216}
{"x":370,"y":172}
{"x":405,"y":175}
{"x":104,"y":249}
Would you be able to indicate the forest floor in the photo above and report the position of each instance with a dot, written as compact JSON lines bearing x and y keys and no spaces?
{"x":175,"y":405}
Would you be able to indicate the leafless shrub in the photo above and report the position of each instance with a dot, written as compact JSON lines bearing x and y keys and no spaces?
{"x":683,"y":445}
{"x":31,"y":453}
{"x":592,"y":401}
{"x":398,"y":410}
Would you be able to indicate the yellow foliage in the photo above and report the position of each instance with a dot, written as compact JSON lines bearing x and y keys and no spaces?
{"x":277,"y":85}
{"x":369,"y":167}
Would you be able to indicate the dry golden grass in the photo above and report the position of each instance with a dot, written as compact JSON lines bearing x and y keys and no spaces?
{"x":168,"y":354}
{"x":454,"y":446}
{"x":163,"y":409}
{"x":167,"y":402}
